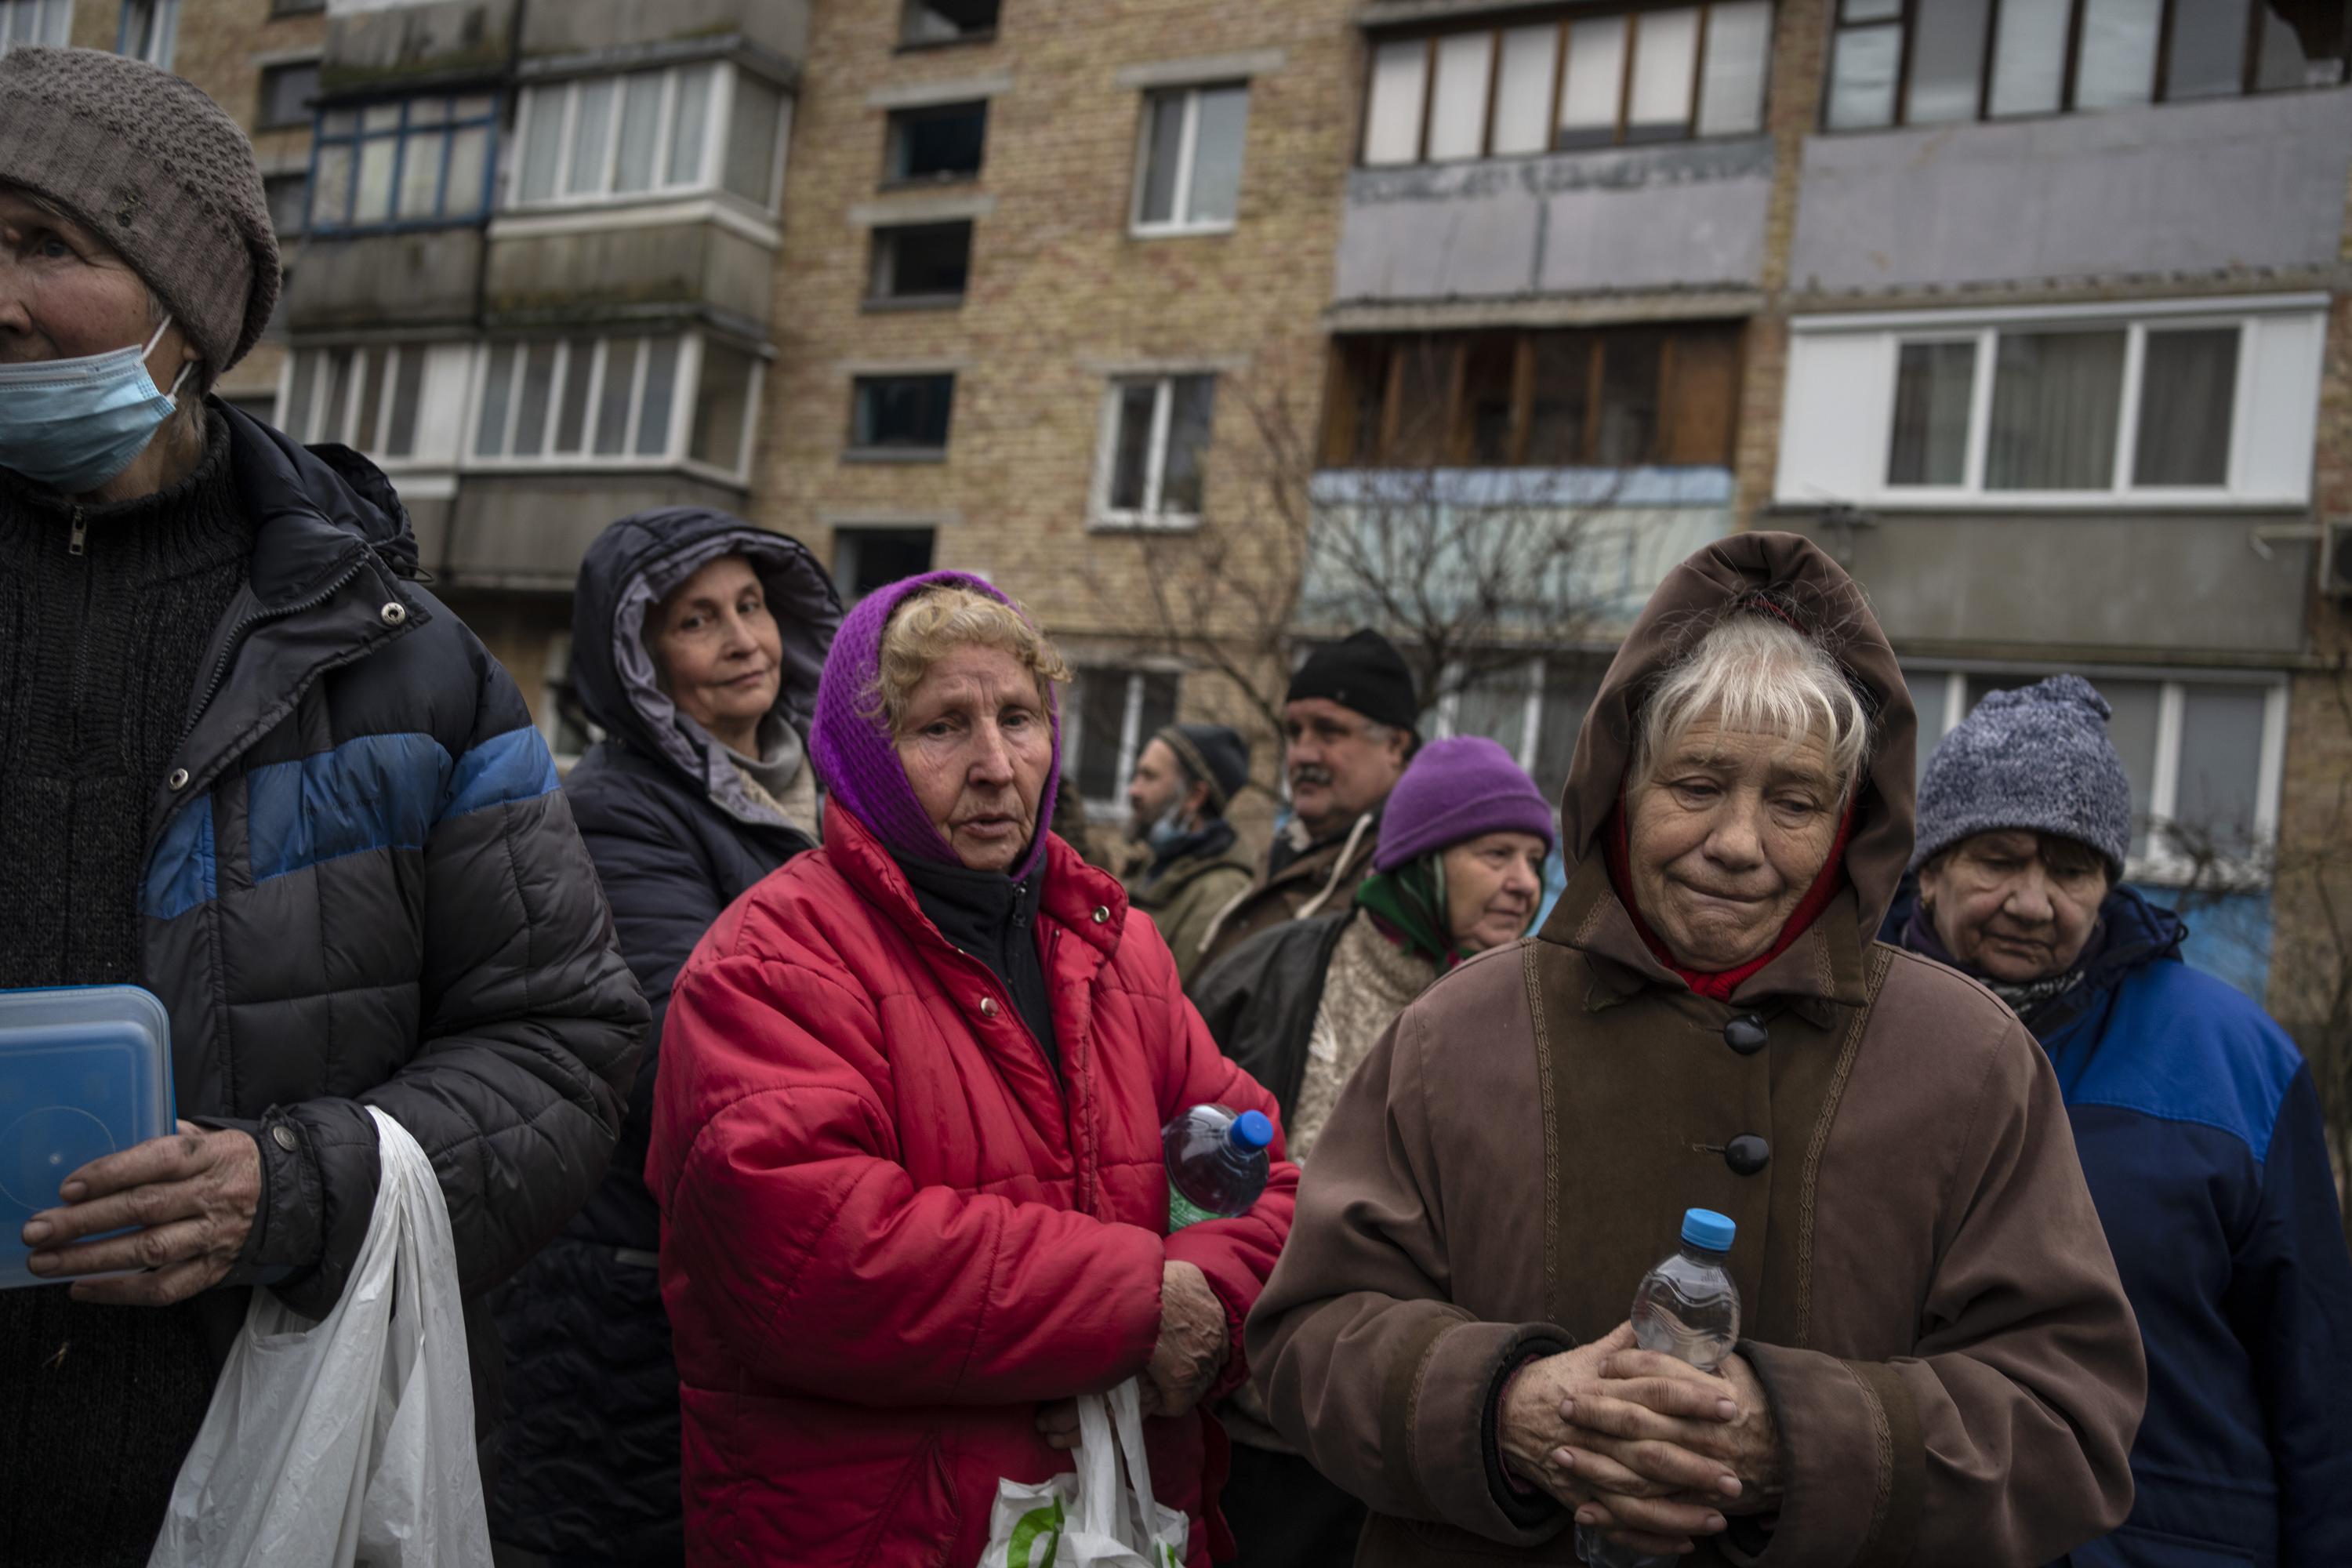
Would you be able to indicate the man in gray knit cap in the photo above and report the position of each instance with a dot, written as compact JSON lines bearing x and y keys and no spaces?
{"x":2196,"y":1119}
{"x":248,"y":765}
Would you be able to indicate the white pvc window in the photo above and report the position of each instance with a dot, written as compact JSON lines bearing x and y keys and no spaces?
{"x":1109,"y":718}
{"x":47,"y":21}
{"x":150,"y":31}
{"x":678,"y":130}
{"x":612,"y":401}
{"x":1189,"y":160}
{"x":366,"y":398}
{"x":1155,"y":441}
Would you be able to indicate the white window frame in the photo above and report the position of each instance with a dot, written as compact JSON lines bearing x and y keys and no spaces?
{"x":2161,"y":865}
{"x":1187,"y":141}
{"x":708,"y":181}
{"x":1131,"y":738}
{"x":1151,"y":516}
{"x":1866,"y":395}
{"x":678,"y":439}
{"x":1449,"y":708}
{"x":23,"y":22}
{"x":365,"y":358}
{"x":163,"y":36}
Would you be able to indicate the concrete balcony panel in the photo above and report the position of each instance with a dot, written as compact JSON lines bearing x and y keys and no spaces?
{"x":578,"y":267}
{"x":2224,"y":185}
{"x":2165,"y":587}
{"x":530,"y":531}
{"x":418,"y":279}
{"x":374,"y":46}
{"x":1685,"y":217}
{"x":587,"y":28}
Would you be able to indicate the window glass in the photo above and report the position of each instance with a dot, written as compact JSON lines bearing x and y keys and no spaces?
{"x":420,"y":173}
{"x":2055,"y":398}
{"x":592,"y":126}
{"x":334,"y":396}
{"x":2188,"y":388}
{"x":498,"y":390}
{"x":1489,"y":390}
{"x":1102,"y":725}
{"x":1928,"y":690}
{"x":751,"y":140}
{"x":296,"y":421}
{"x":365,"y":431}
{"x":407,"y":387}
{"x":286,"y":93}
{"x":2207,"y":58}
{"x":2117,"y":66}
{"x":2300,"y":46}
{"x":1596,"y":76}
{"x":287,"y":195}
{"x":946,"y":21}
{"x":1629,"y":399}
{"x":1131,"y":447}
{"x":149,"y":30}
{"x":1932,"y":383}
{"x":1392,"y":119}
{"x":34,"y":22}
{"x":542,"y":143}
{"x":722,"y":405}
{"x":1222,"y":125}
{"x":1457,"y":101}
{"x":1665,"y":60}
{"x":538,"y":390}
{"x":943,"y":143}
{"x":689,"y":126}
{"x":1947,"y":47}
{"x":1739,"y":50}
{"x":866,"y":559}
{"x":377,"y":156}
{"x":1862,"y":65}
{"x":612,"y":402}
{"x":1870,"y":10}
{"x":2216,"y":795}
{"x":661,"y":392}
{"x":1570,"y":686}
{"x":1163,"y":156}
{"x":2029,"y":61}
{"x":1191,"y":405}
{"x":1495,"y":705}
{"x":922,"y":260}
{"x":641,"y":96}
{"x":907,"y":413}
{"x":1523,"y":92}
{"x":469,"y":170}
{"x":1563,"y":397}
{"x":571,"y":415}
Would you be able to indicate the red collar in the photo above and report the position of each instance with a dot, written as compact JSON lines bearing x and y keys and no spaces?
{"x":1719,"y":987}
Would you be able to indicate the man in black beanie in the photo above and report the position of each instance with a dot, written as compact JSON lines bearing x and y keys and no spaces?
{"x":1184,"y":782}
{"x":1347,"y":732}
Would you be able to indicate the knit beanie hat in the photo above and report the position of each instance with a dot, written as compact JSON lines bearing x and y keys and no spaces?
{"x":1454,"y":790}
{"x":851,"y":745}
{"x":1214,"y":755}
{"x":2037,"y":758}
{"x":1364,"y":672}
{"x":155,"y":169}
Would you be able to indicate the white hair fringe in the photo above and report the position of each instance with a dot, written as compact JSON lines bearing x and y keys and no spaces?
{"x":1757,"y":676}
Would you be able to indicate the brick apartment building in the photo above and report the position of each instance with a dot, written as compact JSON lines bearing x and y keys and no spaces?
{"x":2038,"y":313}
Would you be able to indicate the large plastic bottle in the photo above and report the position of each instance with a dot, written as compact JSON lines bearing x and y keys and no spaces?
{"x":1688,"y":1308}
{"x":1217,"y":1163}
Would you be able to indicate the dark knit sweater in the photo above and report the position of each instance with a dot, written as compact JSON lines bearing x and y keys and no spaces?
{"x":98,"y":654}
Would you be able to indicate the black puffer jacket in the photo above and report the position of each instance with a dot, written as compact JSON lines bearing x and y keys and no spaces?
{"x":1260,"y":999}
{"x":363,"y":888}
{"x":588,"y":1457}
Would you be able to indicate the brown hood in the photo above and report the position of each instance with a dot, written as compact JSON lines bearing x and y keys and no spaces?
{"x":1694,"y":595}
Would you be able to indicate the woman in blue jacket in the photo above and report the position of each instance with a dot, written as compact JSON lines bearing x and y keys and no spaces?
{"x":696,"y":644}
{"x":2197,"y":1122}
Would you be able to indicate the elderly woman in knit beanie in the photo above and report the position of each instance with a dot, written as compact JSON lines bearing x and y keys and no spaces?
{"x":2197,"y":1125}
{"x":250,"y":765}
{"x":1936,"y":1364}
{"x":906,"y":1132}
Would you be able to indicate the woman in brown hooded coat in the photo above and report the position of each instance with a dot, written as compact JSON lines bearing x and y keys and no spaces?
{"x":1938,"y":1366}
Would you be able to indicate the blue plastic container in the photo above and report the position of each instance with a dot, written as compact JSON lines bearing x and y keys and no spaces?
{"x":84,"y":1070}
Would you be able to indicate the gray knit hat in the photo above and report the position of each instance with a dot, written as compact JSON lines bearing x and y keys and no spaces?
{"x":2037,"y":758}
{"x":153,"y":168}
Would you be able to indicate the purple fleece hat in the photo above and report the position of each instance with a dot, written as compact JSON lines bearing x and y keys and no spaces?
{"x":1454,"y":790}
{"x":853,"y":752}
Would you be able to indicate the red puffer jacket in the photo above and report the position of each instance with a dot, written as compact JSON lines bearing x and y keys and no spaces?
{"x":889,"y":1233}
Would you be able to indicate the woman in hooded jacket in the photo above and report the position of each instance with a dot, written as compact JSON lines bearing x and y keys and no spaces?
{"x":697,"y":641}
{"x":1936,"y":1364}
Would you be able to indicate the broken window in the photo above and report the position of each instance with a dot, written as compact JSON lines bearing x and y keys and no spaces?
{"x":901,"y":414}
{"x":1971,"y":59}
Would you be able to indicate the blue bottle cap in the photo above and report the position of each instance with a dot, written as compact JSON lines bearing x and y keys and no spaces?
{"x":1708,"y":1230}
{"x":1251,"y":1131}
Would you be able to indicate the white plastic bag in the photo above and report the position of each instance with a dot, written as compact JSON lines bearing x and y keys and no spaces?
{"x":1095,"y":1517}
{"x":350,"y":1440}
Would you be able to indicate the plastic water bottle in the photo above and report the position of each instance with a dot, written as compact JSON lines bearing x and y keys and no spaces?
{"x":1217,"y":1163}
{"x":1686,"y":1308}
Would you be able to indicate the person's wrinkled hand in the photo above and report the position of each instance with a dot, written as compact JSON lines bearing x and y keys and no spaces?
{"x":1059,"y":1423}
{"x":192,"y":1196}
{"x":1194,"y":1341}
{"x":1541,"y":1443}
{"x":1655,"y":1436}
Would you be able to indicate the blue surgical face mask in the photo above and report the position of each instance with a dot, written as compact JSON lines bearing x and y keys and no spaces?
{"x":74,"y":424}
{"x":1171,"y":829}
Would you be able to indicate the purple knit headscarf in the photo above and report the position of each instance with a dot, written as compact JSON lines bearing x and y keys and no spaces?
{"x":854,"y":754}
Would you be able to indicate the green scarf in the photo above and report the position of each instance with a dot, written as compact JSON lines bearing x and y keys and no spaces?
{"x":1410,"y":905}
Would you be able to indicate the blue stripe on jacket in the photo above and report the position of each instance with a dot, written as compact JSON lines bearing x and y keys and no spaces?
{"x":371,"y":791}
